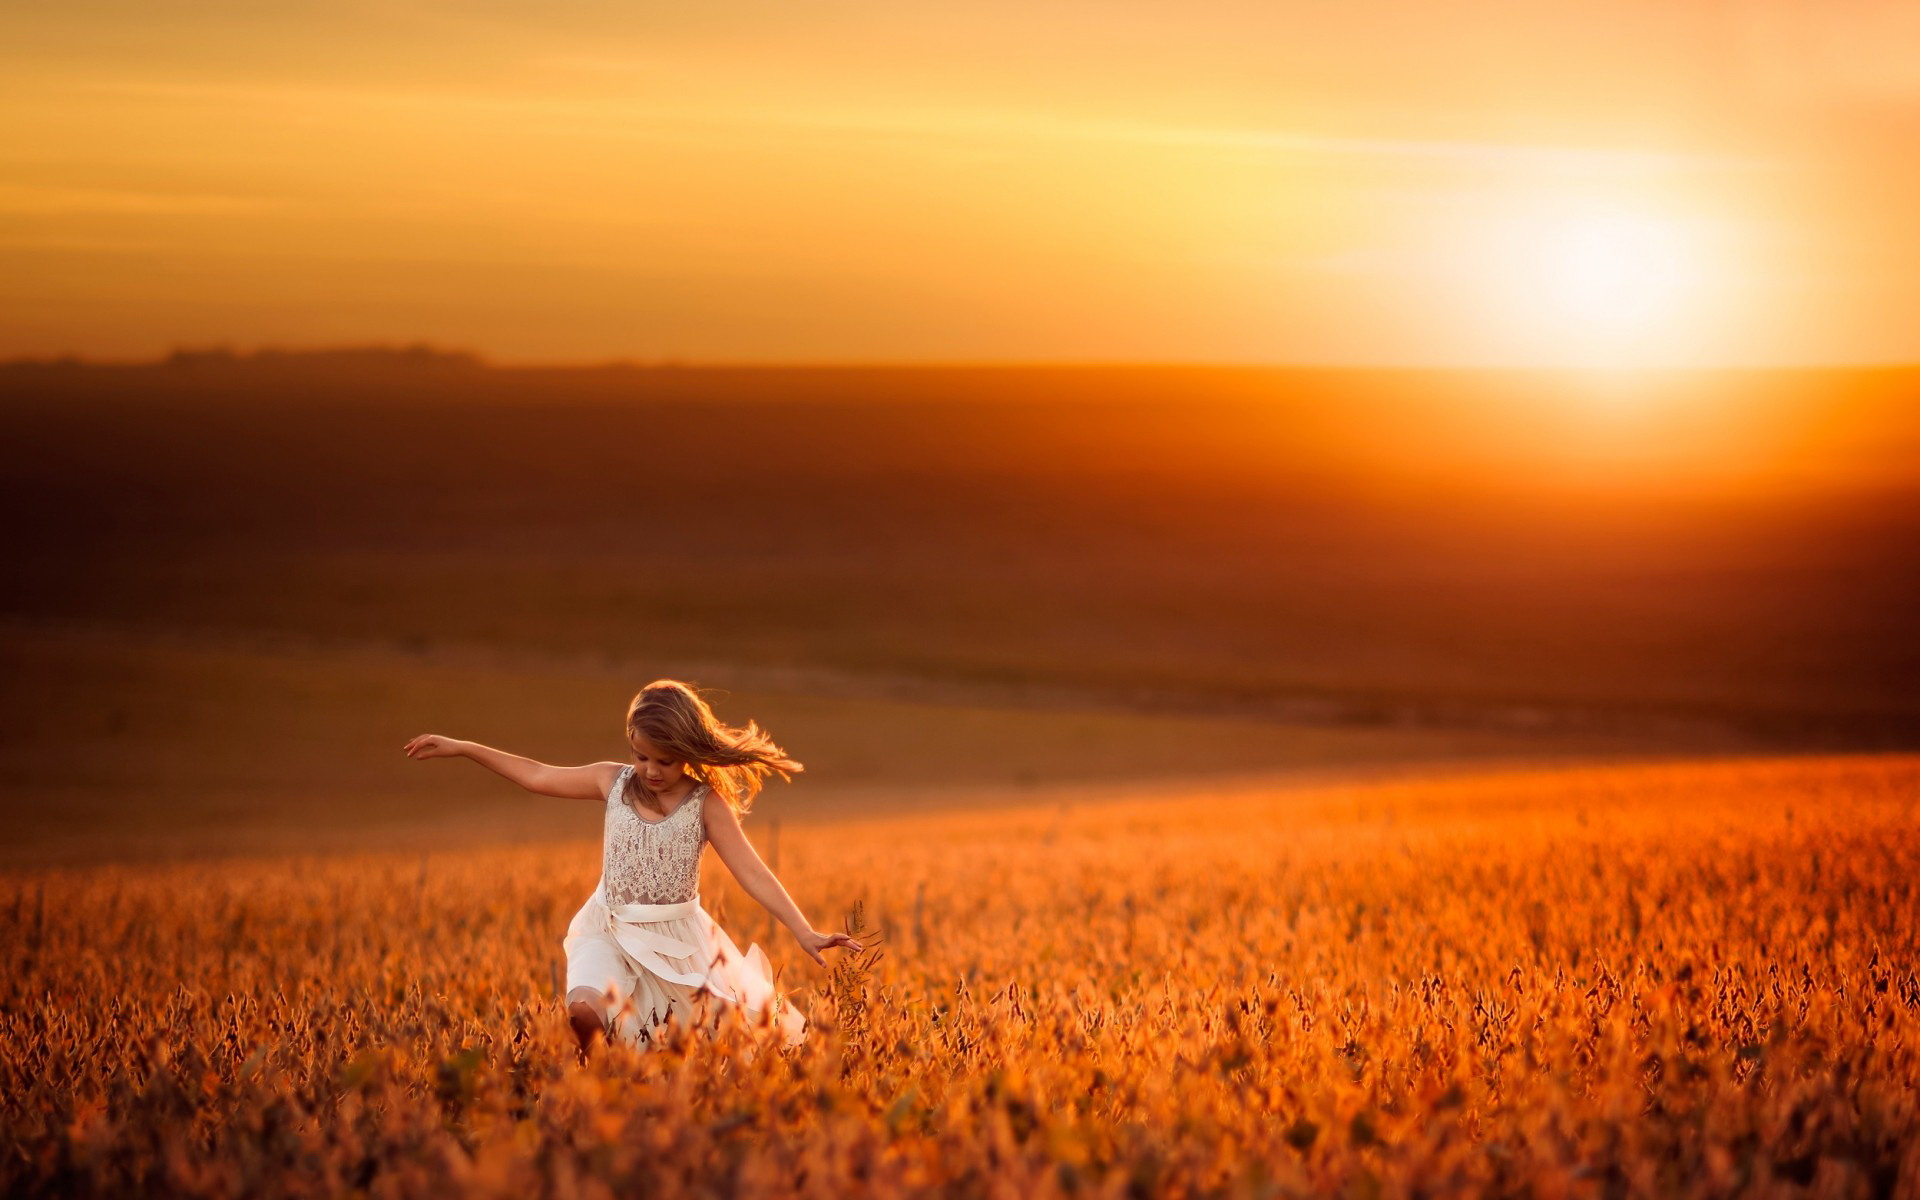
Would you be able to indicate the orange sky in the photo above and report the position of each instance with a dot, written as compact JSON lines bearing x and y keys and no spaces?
{"x":1627,"y":182}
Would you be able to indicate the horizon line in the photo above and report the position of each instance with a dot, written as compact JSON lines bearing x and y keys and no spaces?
{"x":189,"y":355}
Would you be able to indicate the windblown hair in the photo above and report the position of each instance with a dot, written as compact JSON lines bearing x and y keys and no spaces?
{"x":729,"y":759}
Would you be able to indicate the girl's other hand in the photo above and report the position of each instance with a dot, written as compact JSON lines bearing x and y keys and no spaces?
{"x":432,"y":745}
{"x":813,"y":942}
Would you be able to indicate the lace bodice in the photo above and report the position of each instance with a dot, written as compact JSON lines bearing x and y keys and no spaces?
{"x":652,"y":861}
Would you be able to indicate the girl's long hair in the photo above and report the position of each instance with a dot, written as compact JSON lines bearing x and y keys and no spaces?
{"x":730,"y":759}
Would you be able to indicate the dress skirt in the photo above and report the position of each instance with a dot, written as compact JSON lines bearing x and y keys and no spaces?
{"x":655,"y":961}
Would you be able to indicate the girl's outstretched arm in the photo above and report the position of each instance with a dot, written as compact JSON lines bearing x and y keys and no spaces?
{"x":731,"y":844}
{"x":590,"y":782}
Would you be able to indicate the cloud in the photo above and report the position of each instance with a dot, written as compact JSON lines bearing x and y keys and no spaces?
{"x":633,"y":117}
{"x":1493,"y":154}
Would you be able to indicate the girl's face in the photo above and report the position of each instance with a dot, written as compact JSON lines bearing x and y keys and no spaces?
{"x":656,"y":770}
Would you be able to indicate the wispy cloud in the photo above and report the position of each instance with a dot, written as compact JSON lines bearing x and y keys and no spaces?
{"x":640,"y":116}
{"x":1048,"y":126}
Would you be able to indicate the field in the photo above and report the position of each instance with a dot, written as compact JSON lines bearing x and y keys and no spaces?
{"x":1669,"y":978}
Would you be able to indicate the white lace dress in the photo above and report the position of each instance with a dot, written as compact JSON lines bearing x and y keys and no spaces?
{"x":645,"y":942}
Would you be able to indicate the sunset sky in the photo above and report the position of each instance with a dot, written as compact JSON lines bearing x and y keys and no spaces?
{"x":1635,"y":182}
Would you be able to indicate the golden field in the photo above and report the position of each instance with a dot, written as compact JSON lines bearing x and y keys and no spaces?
{"x":1652,"y":979}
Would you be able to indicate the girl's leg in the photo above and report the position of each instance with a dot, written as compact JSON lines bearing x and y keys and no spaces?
{"x":587,"y":1014}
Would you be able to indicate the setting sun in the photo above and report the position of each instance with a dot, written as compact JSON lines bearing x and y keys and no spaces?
{"x":1613,"y":271}
{"x":1591,"y":284}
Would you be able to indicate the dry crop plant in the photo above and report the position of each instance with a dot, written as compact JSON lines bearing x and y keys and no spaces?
{"x":847,"y":994}
{"x":1676,"y":979}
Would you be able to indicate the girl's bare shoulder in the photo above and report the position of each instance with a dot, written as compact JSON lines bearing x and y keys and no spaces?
{"x":603,"y":775}
{"x":716,"y":813}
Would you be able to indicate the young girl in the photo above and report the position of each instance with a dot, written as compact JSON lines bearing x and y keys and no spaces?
{"x":642,"y":949}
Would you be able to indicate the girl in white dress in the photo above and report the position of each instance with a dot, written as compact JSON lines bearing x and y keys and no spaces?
{"x":642,"y":949}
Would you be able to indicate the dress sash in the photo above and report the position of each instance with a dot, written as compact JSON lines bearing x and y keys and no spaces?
{"x":627,"y":923}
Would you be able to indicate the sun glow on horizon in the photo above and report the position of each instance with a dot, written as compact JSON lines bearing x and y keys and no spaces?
{"x":1614,"y":270}
{"x":1616,"y":286}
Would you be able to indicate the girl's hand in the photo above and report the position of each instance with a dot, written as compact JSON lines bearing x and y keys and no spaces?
{"x":432,"y":745}
{"x":813,"y":942}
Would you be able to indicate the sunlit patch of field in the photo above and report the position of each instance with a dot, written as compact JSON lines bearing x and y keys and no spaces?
{"x":1673,"y":979}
